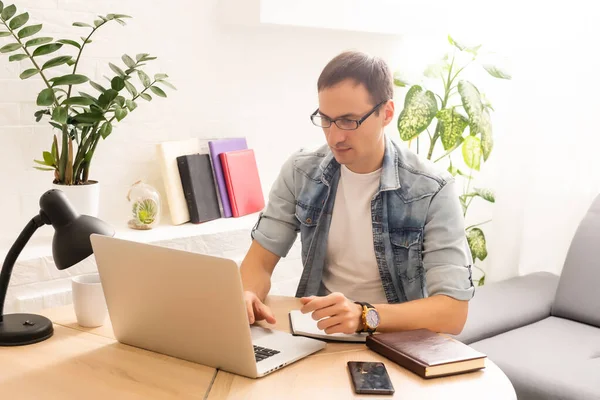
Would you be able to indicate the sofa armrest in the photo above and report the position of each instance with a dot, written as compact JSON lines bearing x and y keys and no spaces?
{"x":502,"y":306}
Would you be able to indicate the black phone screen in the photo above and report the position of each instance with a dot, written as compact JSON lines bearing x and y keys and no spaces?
{"x":370,"y":378}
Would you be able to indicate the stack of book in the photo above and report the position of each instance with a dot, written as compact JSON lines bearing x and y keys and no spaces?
{"x":210,"y":179}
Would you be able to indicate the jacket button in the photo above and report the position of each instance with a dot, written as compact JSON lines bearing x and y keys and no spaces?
{"x":308,"y":220}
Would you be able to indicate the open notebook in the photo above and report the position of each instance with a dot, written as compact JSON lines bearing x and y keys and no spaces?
{"x":304,"y":325}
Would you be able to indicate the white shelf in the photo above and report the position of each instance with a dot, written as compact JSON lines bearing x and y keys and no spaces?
{"x":40,"y":244}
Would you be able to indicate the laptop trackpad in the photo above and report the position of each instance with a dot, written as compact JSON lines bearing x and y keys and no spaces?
{"x":260,"y":333}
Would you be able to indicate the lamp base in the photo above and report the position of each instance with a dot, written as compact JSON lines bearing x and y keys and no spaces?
{"x":23,"y":329}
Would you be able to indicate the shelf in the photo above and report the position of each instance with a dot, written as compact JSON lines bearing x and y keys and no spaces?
{"x":40,"y":244}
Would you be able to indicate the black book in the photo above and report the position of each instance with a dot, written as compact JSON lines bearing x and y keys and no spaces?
{"x":199,"y":188}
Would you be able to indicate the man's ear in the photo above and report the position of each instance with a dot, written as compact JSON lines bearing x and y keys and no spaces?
{"x":388,"y":110}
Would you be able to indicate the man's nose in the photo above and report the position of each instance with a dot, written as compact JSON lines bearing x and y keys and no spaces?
{"x":336,"y":135}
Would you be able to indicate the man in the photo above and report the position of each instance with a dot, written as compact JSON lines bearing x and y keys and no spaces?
{"x":382,"y":231}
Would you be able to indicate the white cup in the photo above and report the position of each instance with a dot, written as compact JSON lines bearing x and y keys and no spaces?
{"x":88,"y":300}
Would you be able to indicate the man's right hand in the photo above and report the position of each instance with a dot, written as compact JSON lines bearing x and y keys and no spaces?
{"x":257,"y":310}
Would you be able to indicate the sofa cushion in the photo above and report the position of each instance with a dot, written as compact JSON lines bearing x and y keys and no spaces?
{"x":577,"y":296}
{"x":501,"y":306}
{"x":551,"y":359}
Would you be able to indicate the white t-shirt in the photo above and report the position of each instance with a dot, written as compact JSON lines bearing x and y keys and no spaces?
{"x":350,"y":266}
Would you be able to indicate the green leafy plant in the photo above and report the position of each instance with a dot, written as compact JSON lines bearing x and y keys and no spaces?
{"x":448,"y":114}
{"x":83,"y":119}
{"x":145,"y":211}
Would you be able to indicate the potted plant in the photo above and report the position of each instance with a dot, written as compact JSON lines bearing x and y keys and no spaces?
{"x":82,"y":117}
{"x":445,"y":117}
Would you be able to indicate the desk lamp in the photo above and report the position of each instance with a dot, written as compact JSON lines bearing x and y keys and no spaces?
{"x":70,"y":245}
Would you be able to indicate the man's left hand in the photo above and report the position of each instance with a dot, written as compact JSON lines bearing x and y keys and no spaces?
{"x":335,"y":313}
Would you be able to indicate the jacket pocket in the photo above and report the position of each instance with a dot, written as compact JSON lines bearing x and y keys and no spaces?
{"x":407,"y":244}
{"x":308,"y":217}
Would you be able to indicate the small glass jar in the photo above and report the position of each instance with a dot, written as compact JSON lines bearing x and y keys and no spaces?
{"x":144,"y":203}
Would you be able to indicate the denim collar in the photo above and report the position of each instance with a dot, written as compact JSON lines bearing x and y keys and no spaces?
{"x":389,"y":170}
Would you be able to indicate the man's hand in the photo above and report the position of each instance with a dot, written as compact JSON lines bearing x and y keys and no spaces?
{"x":257,"y":310}
{"x":335,"y":313}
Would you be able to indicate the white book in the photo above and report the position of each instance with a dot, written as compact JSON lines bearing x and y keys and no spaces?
{"x":305,"y":325}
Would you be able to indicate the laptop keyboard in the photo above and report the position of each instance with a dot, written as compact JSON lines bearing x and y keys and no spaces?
{"x":260,"y":353}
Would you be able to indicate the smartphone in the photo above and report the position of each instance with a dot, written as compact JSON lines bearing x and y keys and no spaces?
{"x":370,"y":378}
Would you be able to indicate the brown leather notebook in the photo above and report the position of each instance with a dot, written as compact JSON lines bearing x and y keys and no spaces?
{"x":426,"y":353}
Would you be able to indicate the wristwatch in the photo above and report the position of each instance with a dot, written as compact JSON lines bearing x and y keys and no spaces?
{"x":370,"y":317}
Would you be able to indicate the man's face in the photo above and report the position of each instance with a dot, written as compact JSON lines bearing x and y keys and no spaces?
{"x":361,"y":150}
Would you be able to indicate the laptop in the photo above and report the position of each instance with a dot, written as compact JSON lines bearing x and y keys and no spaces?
{"x":189,"y":306}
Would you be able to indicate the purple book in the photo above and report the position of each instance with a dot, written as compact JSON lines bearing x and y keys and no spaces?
{"x":217,"y":147}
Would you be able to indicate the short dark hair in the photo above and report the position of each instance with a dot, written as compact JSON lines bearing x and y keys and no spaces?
{"x":372,"y":72}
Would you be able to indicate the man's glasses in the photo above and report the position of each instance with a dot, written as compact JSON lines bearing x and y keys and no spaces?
{"x":342,"y":123}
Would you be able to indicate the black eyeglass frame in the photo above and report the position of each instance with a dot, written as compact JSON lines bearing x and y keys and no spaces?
{"x":334,"y":121}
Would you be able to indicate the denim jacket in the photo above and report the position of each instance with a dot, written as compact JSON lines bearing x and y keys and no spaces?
{"x":418,"y":225}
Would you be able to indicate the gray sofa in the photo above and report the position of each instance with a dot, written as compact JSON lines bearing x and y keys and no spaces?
{"x":542,"y":330}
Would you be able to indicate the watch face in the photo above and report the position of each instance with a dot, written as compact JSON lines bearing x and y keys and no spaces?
{"x":372,"y":319}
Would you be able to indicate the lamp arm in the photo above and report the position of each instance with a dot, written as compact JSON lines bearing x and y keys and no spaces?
{"x":12,"y":255}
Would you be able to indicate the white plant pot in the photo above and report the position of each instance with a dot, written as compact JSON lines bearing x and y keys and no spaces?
{"x":84,"y":198}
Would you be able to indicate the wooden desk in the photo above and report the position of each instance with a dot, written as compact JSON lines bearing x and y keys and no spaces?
{"x":78,"y":365}
{"x":325,"y":375}
{"x":89,"y":363}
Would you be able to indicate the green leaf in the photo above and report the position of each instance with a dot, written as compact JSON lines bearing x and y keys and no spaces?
{"x":399,"y":80}
{"x":85,"y":40}
{"x":69,"y":42}
{"x":454,"y":43}
{"x":97,"y":86}
{"x":167,"y":84}
{"x":130,"y":104}
{"x":5,"y":34}
{"x":89,"y":117}
{"x":497,"y":72}
{"x":19,"y":21}
{"x":57,"y":126}
{"x":41,"y":162}
{"x":28,"y":73}
{"x":10,"y":47}
{"x":419,"y":110}
{"x":55,"y":62}
{"x":120,"y":100}
{"x":98,"y":22}
{"x":71,"y":79}
{"x":8,"y":12}
{"x":144,"y":78}
{"x":128,"y":61}
{"x":120,"y":113}
{"x":82,"y":25}
{"x":105,"y":129}
{"x":487,"y":141}
{"x":463,"y":203}
{"x":44,"y":169}
{"x":48,"y":158}
{"x":160,"y":77}
{"x":45,"y":97}
{"x":158,"y":91}
{"x":91,"y":98}
{"x":60,"y":115}
{"x":471,"y":151}
{"x":146,"y":96}
{"x":107,"y":97}
{"x":79,"y":101}
{"x":116,"y":69}
{"x":131,"y":89}
{"x":17,"y":57}
{"x":47,"y":49}
{"x":38,"y":41}
{"x":486,"y":194}
{"x":452,"y":126}
{"x":477,"y":244}
{"x":121,"y":16}
{"x":1,"y":6}
{"x":29,"y":31}
{"x":481,"y":281}
{"x":471,"y":100}
{"x":117,"y":83}
{"x":141,"y":56}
